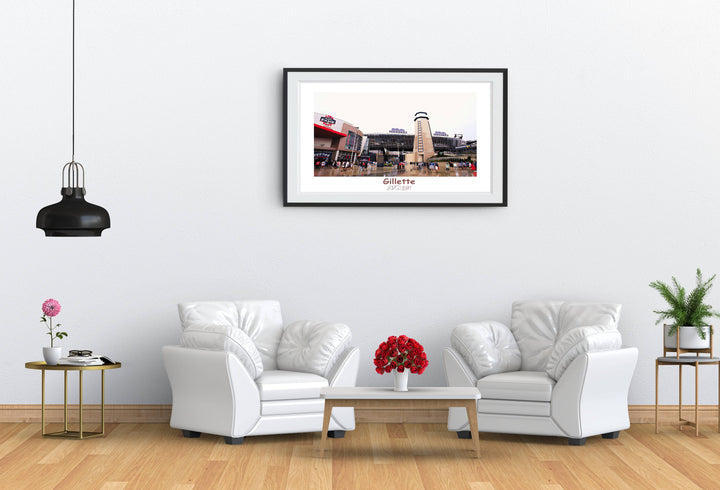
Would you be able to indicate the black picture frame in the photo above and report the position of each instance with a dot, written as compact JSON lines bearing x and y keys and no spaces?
{"x":463,"y":172}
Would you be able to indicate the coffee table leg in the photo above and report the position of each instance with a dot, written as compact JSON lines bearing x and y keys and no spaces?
{"x":326,"y":425}
{"x":472,"y":419}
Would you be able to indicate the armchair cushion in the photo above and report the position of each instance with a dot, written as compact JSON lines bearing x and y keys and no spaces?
{"x":534,"y":326}
{"x":529,"y":386}
{"x":488,"y":347}
{"x":573,"y":315}
{"x":207,"y":313}
{"x":578,"y":341}
{"x":262,"y":321}
{"x":229,"y":339}
{"x":312,"y":347}
{"x":289,"y":385}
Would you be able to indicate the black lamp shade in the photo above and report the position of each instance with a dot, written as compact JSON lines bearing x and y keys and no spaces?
{"x":73,"y":216}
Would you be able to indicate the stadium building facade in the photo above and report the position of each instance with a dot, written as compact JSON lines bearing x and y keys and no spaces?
{"x":397,"y":144}
{"x":336,"y":140}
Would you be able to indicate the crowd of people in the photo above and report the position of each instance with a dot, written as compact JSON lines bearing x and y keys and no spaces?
{"x":343,"y":164}
{"x":362,"y":166}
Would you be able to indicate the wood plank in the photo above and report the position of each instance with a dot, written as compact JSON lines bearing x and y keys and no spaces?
{"x":380,"y":444}
{"x":426,"y":455}
{"x":15,"y":435}
{"x":647,"y":464}
{"x":685,"y":462}
{"x":590,"y":459}
{"x":306,"y":471}
{"x":352,"y":458}
{"x":242,"y":470}
{"x":113,"y":485}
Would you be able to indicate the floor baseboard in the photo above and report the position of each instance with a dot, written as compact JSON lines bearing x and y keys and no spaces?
{"x":645,"y":414}
{"x":91,"y":413}
{"x":138,"y":414}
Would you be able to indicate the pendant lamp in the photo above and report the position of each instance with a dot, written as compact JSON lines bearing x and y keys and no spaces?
{"x":73,"y":215}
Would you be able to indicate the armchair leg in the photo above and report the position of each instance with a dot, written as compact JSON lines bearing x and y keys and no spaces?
{"x":611,"y":435}
{"x":576,"y":442}
{"x":190,"y":434}
{"x":336,"y":434}
{"x":234,"y":441}
{"x":464,"y":434}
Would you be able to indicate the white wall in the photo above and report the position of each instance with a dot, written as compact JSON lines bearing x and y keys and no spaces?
{"x":613,"y":170}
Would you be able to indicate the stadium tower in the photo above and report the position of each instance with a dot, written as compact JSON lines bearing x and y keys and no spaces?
{"x":423,"y":147}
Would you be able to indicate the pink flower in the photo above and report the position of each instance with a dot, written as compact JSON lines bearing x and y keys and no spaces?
{"x":51,"y":307}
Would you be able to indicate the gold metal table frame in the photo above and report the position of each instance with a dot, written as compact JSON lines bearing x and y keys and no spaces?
{"x":80,"y":433}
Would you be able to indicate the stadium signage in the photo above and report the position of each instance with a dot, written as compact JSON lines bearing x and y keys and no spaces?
{"x":328,"y":120}
{"x":324,"y":120}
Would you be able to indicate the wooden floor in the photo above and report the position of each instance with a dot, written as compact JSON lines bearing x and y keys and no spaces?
{"x":373,"y":456}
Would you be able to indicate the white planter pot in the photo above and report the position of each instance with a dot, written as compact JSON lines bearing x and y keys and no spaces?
{"x":689,"y":338}
{"x":401,"y":380}
{"x":52,"y":355}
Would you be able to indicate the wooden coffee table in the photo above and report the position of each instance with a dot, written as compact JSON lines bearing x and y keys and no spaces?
{"x":413,"y":399}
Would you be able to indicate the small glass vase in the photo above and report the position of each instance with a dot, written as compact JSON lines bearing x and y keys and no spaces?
{"x":401,"y":380}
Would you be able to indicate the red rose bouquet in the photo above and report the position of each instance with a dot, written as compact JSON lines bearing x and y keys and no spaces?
{"x":400,"y":353}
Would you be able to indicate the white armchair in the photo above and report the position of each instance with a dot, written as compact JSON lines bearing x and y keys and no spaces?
{"x":238,"y":372}
{"x":558,"y":370}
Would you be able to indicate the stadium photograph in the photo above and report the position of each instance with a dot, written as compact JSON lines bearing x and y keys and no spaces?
{"x":395,"y":134}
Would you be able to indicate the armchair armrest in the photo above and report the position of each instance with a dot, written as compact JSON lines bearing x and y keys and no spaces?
{"x":344,"y":373}
{"x":457,"y":373}
{"x":212,"y":391}
{"x":590,"y":397}
{"x":345,"y":370}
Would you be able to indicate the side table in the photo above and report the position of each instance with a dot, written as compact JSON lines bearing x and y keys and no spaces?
{"x":681,"y":361}
{"x":73,"y":434}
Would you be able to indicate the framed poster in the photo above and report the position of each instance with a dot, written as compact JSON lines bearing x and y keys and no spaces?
{"x":395,"y":137}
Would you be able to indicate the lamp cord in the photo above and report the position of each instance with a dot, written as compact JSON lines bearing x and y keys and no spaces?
{"x":73,"y":81}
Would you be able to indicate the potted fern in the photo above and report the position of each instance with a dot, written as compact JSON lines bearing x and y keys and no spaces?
{"x":687,"y":312}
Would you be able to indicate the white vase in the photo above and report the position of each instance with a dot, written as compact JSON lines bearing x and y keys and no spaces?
{"x":689,"y":338}
{"x":52,"y":355}
{"x":401,"y":380}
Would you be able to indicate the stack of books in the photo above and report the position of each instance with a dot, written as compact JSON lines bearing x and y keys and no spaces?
{"x":85,"y":360}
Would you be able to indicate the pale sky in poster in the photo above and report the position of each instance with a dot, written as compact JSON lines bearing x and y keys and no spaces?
{"x":379,"y":112}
